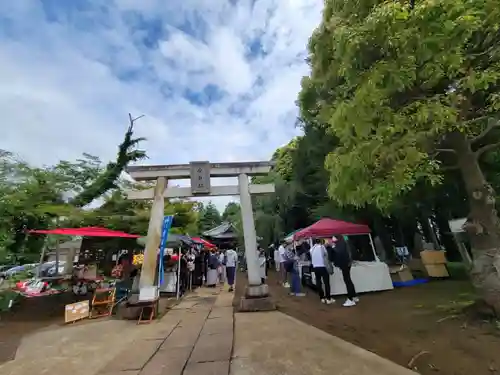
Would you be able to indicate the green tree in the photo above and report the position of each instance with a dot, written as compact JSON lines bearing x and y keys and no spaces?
{"x":107,"y":180}
{"x":131,"y":216}
{"x":208,"y":216}
{"x":411,"y":93}
{"x":232,"y":213}
{"x":34,"y":197}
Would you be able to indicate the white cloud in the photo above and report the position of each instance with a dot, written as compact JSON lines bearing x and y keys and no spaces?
{"x":215,"y":81}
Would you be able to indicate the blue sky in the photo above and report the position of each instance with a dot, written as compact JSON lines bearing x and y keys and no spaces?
{"x":216,"y":80}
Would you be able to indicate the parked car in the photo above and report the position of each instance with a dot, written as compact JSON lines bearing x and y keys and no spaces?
{"x":48,"y":269}
{"x":4,"y":269}
{"x":17,"y":269}
{"x":52,"y":270}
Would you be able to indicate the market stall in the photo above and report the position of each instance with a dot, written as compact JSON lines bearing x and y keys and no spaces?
{"x":175,"y":264}
{"x":84,"y":277}
{"x":176,"y":246}
{"x":368,"y":276}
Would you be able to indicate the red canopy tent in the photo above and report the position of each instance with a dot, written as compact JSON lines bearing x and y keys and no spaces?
{"x":85,"y":232}
{"x":329,"y":227}
{"x":205,"y":243}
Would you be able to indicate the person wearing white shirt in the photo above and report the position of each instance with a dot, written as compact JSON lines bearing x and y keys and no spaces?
{"x":222,"y":268}
{"x":321,"y":267}
{"x":283,"y":260}
{"x":261,"y":256}
{"x":231,"y":263}
{"x":277,"y":260}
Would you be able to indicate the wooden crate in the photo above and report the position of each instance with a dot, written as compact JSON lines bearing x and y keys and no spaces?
{"x":433,"y":257}
{"x":437,"y":270}
{"x":401,"y":274}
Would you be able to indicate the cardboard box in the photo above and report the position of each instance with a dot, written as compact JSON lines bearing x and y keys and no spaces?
{"x":437,"y":270}
{"x":433,"y":257}
{"x":401,"y":274}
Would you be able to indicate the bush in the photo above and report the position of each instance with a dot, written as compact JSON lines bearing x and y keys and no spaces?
{"x":458,"y":270}
{"x":6,"y":296}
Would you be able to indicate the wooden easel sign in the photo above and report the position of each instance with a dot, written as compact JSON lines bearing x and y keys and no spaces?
{"x":103,"y":302}
{"x":76,"y":311}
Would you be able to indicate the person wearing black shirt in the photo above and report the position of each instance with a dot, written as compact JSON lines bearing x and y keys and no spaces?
{"x":342,"y":259}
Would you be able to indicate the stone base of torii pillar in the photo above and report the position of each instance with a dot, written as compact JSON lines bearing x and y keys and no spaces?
{"x":256,"y":299}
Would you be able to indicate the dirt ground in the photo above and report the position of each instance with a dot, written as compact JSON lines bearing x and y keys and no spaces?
{"x":35,"y":314}
{"x":423,"y":323}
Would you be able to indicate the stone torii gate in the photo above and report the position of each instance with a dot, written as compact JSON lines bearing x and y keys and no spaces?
{"x":200,"y":174}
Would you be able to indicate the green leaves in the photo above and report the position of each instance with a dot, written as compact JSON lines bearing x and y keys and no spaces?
{"x":208,"y":216}
{"x":392,"y":83}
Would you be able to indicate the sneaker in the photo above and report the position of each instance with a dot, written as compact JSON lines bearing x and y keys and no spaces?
{"x":323,"y":300}
{"x":330,"y":301}
{"x":299,"y":294}
{"x":231,"y":289}
{"x":286,"y":285}
{"x":356,"y":299}
{"x":349,"y":303}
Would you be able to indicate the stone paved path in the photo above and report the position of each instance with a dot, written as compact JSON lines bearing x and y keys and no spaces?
{"x":272,"y":343}
{"x":195,"y":337}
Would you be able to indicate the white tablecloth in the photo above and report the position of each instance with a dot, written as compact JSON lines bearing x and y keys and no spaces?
{"x":366,"y":276}
{"x":169,"y":282}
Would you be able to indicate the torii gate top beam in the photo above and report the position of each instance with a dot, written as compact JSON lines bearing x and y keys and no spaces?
{"x":183,"y":171}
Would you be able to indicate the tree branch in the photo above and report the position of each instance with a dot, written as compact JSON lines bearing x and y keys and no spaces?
{"x":450,"y":150}
{"x":491,"y":125}
{"x":487,"y":148}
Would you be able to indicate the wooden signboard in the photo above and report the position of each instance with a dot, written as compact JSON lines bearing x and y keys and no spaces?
{"x":76,"y":311}
{"x":200,"y":177}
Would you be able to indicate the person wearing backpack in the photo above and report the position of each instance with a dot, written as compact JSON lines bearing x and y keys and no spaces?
{"x":322,"y":269}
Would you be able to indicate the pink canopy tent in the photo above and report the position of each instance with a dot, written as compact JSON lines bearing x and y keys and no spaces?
{"x":328,"y":227}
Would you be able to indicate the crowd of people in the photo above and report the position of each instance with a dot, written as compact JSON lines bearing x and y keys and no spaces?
{"x":215,"y":266}
{"x":211,"y":267}
{"x":323,"y":256}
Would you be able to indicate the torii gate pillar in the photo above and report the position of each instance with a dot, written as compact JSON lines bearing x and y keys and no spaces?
{"x":256,"y":296}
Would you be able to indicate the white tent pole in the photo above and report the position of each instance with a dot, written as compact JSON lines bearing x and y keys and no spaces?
{"x":57,"y":257}
{"x":373,"y":248}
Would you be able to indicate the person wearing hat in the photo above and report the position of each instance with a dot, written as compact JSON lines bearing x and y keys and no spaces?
{"x":342,"y":260}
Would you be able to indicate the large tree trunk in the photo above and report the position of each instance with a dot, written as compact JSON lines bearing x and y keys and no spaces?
{"x":483,"y":225}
